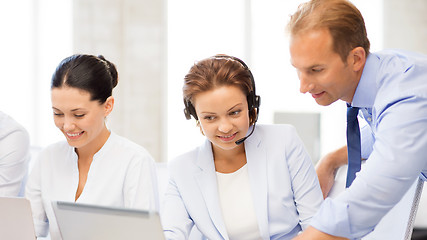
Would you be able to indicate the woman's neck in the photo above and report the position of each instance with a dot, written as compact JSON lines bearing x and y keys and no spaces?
{"x":89,"y":150}
{"x":228,"y":161}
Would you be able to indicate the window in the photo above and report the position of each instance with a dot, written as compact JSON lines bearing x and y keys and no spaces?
{"x":196,"y":30}
{"x":36,"y":36}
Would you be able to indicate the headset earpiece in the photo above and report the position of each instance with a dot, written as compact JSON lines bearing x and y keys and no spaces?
{"x":187,"y":114}
{"x":189,"y":110}
{"x":257,"y":101}
{"x":253,"y":101}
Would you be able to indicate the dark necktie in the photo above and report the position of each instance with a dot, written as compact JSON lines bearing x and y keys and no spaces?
{"x":353,"y":144}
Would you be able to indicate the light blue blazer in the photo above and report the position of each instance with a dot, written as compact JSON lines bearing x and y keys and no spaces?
{"x":285,"y":189}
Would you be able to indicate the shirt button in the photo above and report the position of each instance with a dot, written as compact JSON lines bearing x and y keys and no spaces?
{"x":369,"y":119}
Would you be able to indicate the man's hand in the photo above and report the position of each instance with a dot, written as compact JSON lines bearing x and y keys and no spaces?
{"x":314,"y":234}
{"x":327,"y":168}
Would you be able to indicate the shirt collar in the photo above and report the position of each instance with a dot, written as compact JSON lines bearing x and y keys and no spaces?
{"x":366,"y":90}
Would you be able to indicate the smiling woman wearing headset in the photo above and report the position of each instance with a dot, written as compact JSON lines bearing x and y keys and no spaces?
{"x":245,"y":181}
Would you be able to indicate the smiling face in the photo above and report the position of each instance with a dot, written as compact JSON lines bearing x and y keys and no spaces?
{"x":80,"y":119}
{"x":223,"y":115}
{"x":321,"y":70}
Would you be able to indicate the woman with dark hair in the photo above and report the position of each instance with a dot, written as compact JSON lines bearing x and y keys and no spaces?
{"x":245,"y":182}
{"x":94,"y":165}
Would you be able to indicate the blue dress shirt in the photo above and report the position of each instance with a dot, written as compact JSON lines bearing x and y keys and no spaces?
{"x":392,"y":96}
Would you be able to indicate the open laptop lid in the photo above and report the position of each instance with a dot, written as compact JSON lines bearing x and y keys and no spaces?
{"x":16,"y":221}
{"x":84,"y":221}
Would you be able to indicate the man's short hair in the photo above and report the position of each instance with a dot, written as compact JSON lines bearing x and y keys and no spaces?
{"x":343,"y":20}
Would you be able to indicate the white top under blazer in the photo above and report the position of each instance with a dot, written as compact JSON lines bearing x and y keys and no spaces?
{"x":237,"y":205}
{"x":284,"y":187}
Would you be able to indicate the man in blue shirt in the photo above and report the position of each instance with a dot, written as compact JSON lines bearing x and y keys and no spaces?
{"x":330,"y":50}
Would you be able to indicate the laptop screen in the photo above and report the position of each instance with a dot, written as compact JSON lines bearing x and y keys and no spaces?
{"x":84,"y":221}
{"x":16,"y":221}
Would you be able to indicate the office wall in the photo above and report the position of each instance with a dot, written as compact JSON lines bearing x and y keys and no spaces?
{"x":308,"y":129}
{"x":131,"y":34}
{"x":405,"y":25}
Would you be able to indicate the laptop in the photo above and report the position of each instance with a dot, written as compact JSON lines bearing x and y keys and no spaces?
{"x":85,"y":221}
{"x":16,"y":221}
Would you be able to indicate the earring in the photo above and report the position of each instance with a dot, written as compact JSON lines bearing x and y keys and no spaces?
{"x":200,"y":127}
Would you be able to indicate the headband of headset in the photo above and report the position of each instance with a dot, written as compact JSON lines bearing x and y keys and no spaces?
{"x":253,"y":99}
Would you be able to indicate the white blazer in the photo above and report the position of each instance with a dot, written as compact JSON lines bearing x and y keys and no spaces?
{"x":285,"y":189}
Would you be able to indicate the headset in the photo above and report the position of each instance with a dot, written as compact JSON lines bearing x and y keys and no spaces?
{"x":254,"y":101}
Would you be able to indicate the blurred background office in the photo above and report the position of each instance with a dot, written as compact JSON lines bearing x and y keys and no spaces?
{"x":155,"y":42}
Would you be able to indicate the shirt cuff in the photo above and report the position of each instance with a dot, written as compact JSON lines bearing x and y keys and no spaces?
{"x":332,"y":218}
{"x":41,"y":228}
